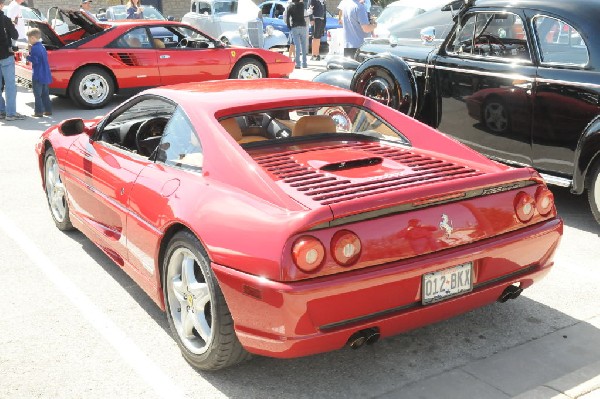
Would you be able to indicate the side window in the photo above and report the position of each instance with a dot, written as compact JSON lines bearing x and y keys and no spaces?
{"x":266,"y":10}
{"x":279,"y":10}
{"x":498,"y":35}
{"x":135,"y":38}
{"x":180,"y":145}
{"x":138,"y":126}
{"x":204,"y":8}
{"x":559,"y":42}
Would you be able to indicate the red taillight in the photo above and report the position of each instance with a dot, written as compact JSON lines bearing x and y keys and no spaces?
{"x":308,"y":253}
{"x":524,"y":206}
{"x":544,"y":200}
{"x":345,"y":247}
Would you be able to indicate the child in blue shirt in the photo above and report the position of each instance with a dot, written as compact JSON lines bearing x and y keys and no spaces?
{"x":41,"y":77}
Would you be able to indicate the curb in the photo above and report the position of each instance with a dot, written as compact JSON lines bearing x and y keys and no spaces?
{"x":569,"y":386}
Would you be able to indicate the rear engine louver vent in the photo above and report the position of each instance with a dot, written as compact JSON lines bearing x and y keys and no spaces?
{"x":126,"y":58}
{"x":328,"y":188}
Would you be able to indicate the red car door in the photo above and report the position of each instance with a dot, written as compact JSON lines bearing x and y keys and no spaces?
{"x":100,"y":178}
{"x":188,"y":56}
{"x":137,"y":57}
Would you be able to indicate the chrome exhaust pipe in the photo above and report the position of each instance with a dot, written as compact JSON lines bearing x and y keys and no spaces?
{"x":367,"y":336}
{"x":510,"y":292}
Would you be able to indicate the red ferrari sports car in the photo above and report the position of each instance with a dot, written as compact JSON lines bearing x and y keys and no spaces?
{"x":286,"y":218}
{"x":92,"y":62}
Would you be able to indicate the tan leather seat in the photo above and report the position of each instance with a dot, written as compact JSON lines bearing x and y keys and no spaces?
{"x":159,"y":43}
{"x":233,"y":128}
{"x":312,"y":124}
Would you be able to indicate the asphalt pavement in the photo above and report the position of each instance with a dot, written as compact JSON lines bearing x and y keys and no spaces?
{"x":74,"y":325}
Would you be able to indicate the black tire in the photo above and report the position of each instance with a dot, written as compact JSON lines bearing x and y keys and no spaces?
{"x":56,"y":192}
{"x":495,"y":116}
{"x":92,"y":87}
{"x":248,"y":68}
{"x":593,"y":190}
{"x":389,"y":80}
{"x":204,"y":331}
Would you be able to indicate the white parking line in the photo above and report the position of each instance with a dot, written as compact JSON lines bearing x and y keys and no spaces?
{"x":124,"y":346}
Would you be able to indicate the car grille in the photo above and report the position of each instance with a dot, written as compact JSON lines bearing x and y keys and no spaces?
{"x":255,"y":33}
{"x":329,"y":188}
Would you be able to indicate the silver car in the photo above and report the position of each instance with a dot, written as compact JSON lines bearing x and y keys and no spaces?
{"x":235,"y":22}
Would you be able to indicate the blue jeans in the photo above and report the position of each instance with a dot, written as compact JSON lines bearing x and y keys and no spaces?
{"x":299,"y":37}
{"x":42,"y":97}
{"x":7,"y":75}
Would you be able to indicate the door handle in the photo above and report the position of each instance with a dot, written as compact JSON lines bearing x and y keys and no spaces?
{"x":165,"y":56}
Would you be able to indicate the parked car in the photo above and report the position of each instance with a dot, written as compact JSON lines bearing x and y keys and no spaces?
{"x":119,"y":13}
{"x":518,"y":82}
{"x":272,"y":14}
{"x":286,"y":218}
{"x":394,"y":16}
{"x":93,"y":62}
{"x":235,"y":22}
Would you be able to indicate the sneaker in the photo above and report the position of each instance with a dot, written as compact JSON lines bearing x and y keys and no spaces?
{"x":297,"y":67}
{"x":47,"y":113}
{"x":37,"y":115}
{"x":2,"y":115}
{"x":15,"y":117}
{"x":317,"y":58}
{"x":304,"y":66}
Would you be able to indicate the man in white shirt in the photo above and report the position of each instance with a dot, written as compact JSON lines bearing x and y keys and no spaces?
{"x":86,"y":6}
{"x":13,"y":11}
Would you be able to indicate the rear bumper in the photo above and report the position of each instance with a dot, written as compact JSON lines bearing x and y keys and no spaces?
{"x":301,"y":318}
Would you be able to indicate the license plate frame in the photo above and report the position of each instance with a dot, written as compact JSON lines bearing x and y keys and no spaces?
{"x":438,"y":286}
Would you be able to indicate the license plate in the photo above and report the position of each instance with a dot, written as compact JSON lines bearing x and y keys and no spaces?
{"x":446,"y":283}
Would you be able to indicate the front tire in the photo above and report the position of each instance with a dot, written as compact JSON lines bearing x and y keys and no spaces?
{"x":56,"y":192}
{"x":594,"y":191}
{"x":197,"y":313}
{"x":92,"y":87}
{"x":248,"y":68}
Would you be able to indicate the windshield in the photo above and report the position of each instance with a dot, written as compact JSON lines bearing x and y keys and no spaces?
{"x":228,"y":7}
{"x":120,"y":12}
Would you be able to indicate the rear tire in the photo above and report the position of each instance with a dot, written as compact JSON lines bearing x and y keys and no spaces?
{"x":56,"y":192}
{"x":593,"y":190}
{"x":198,"y":316}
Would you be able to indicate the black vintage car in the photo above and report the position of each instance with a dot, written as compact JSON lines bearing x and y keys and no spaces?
{"x":517,"y":81}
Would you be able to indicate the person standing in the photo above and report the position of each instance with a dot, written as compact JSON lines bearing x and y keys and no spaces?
{"x":8,"y":33}
{"x":297,"y":23}
{"x":319,"y":18}
{"x":356,"y":25}
{"x":134,"y":10}
{"x":291,"y":46}
{"x":41,"y":76}
{"x":13,"y":11}
{"x":86,"y":8}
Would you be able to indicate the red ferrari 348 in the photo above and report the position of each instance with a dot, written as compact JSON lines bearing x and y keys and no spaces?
{"x":93,"y":61}
{"x":286,"y":218}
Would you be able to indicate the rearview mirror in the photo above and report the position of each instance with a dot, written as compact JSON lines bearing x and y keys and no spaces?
{"x":71,"y":127}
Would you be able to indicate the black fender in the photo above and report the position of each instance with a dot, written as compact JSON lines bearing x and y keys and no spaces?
{"x":340,"y":62}
{"x":388,"y":79}
{"x":336,"y":77}
{"x":586,"y":154}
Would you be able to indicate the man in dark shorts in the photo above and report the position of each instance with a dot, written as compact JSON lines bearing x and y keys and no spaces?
{"x":319,"y":18}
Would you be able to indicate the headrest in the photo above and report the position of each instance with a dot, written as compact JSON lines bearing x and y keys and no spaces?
{"x":233,"y":128}
{"x":312,"y":124}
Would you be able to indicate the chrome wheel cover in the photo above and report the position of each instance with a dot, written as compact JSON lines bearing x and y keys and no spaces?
{"x":55,"y":190}
{"x":189,"y":301}
{"x":94,"y":88}
{"x":250,"y":71}
{"x":379,"y":90}
{"x":495,"y":117}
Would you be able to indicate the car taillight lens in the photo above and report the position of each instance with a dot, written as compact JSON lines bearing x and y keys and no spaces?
{"x":308,"y":253}
{"x":345,"y":247}
{"x":544,"y":200}
{"x":524,"y":206}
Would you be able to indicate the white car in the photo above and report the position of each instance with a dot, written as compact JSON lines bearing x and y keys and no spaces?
{"x":235,"y":22}
{"x":392,"y":14}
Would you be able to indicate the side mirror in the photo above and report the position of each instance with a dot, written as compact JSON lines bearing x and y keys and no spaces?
{"x":71,"y":127}
{"x":280,"y":17}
